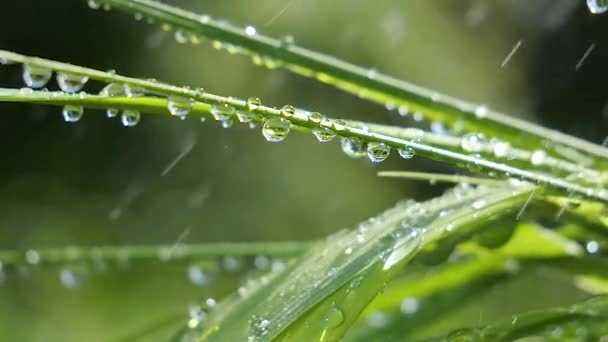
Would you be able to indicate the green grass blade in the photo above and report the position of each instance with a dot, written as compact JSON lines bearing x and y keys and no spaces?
{"x":364,"y":82}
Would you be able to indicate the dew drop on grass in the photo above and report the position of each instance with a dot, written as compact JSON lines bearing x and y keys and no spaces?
{"x":72,"y":113}
{"x":113,"y":89}
{"x":409,"y":306}
{"x":244,"y":117}
{"x":253,"y":103}
{"x":130,"y":117}
{"x":250,"y":30}
{"x":93,"y":4}
{"x":406,"y":152}
{"x":353,"y":147}
{"x":134,"y":91}
{"x":231,"y":263}
{"x":334,"y":317}
{"x":181,"y":37}
{"x":227,"y":123}
{"x":112,"y":112}
{"x":32,"y":257}
{"x":500,"y":149}
{"x":179,"y":106}
{"x":69,"y":279}
{"x":407,"y":242}
{"x":597,"y":6}
{"x":288,"y":111}
{"x":275,"y":129}
{"x":259,"y":328}
{"x":592,"y":247}
{"x":538,"y":157}
{"x":323,"y":134}
{"x":377,"y":152}
{"x":315,"y":117}
{"x":197,"y":276}
{"x":197,"y":315}
{"x":473,"y":142}
{"x":222,"y":112}
{"x":36,"y":77}
{"x":71,"y":83}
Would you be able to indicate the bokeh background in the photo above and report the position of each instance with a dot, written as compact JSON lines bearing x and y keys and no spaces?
{"x":98,"y":183}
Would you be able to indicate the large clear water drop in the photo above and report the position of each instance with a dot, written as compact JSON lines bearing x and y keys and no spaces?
{"x":36,"y":77}
{"x":72,"y":113}
{"x":71,"y":83}
{"x":378,"y":152}
{"x":275,"y":129}
{"x":597,"y":6}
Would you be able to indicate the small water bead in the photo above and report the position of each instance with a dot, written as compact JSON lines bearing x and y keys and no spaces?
{"x":222,"y":112}
{"x":288,"y":111}
{"x":250,"y":30}
{"x":334,"y":317}
{"x":72,"y":113}
{"x":481,"y":112}
{"x":403,"y":110}
{"x":479,"y":204}
{"x":354,"y":147}
{"x":179,"y":106}
{"x":113,"y":89}
{"x":287,"y":40}
{"x":197,"y":276}
{"x":26,"y":91}
{"x":340,"y":125}
{"x":130,"y":117}
{"x":597,"y":6}
{"x":406,"y":242}
{"x":181,"y":37}
{"x":473,"y":142}
{"x":93,"y":4}
{"x":254,"y":103}
{"x":406,"y":152}
{"x":538,"y":157}
{"x":244,"y":117}
{"x":323,"y":134}
{"x":231,"y":263}
{"x":197,"y":315}
{"x":134,"y":91}
{"x":418,"y":116}
{"x":592,"y":247}
{"x":501,"y":148}
{"x":32,"y":257}
{"x":262,"y":262}
{"x":275,"y":129}
{"x":378,"y":320}
{"x":69,"y":279}
{"x":71,"y":83}
{"x":227,"y":123}
{"x":378,"y":152}
{"x":112,"y":112}
{"x":315,"y":117}
{"x":36,"y":77}
{"x":259,"y":327}
{"x":409,"y":306}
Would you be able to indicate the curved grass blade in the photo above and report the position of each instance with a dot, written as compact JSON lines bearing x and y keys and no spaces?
{"x":364,"y":82}
{"x":299,"y":119}
{"x":304,"y":302}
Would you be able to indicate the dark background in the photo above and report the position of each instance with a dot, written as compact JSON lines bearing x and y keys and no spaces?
{"x":97,"y":183}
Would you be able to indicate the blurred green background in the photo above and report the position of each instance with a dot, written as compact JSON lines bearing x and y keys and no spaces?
{"x":98,"y":183}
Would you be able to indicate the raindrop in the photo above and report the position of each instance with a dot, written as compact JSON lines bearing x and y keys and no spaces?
{"x":197,"y":315}
{"x":260,"y":327}
{"x":113,"y":89}
{"x":377,"y":319}
{"x":231,"y":263}
{"x":69,"y":279}
{"x":473,"y":142}
{"x":179,"y":106}
{"x":378,"y":152}
{"x":222,"y":112}
{"x":130,"y":117}
{"x":112,"y":112}
{"x":315,"y":117}
{"x":597,"y":6}
{"x":323,"y":134}
{"x":406,"y":243}
{"x":409,"y":306}
{"x":500,"y":148}
{"x":244,"y":117}
{"x":340,"y":125}
{"x":36,"y":77}
{"x":250,"y":30}
{"x":275,"y":129}
{"x":93,"y":4}
{"x":288,"y":111}
{"x":334,"y":317}
{"x":287,"y":40}
{"x":353,"y":147}
{"x":181,"y":37}
{"x":261,"y":262}
{"x":197,"y":276}
{"x":71,"y":83}
{"x":479,"y":204}
{"x":592,"y":247}
{"x":253,"y":103}
{"x":403,"y":110}
{"x":134,"y":91}
{"x":538,"y":157}
{"x":32,"y":257}
{"x":227,"y":123}
{"x":407,"y":152}
{"x":72,"y":113}
{"x":481,"y":112}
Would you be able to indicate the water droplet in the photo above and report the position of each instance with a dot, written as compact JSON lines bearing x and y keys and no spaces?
{"x":478,"y":204}
{"x":275,"y":129}
{"x":287,"y":41}
{"x":377,"y":319}
{"x":408,"y":241}
{"x":35,"y":76}
{"x":353,"y":147}
{"x":227,"y":123}
{"x":288,"y":111}
{"x":403,"y":110}
{"x":222,"y":112}
{"x":134,"y":91}
{"x":406,"y":152}
{"x":473,"y":142}
{"x":231,"y":263}
{"x":181,"y":37}
{"x":378,"y":152}
{"x":259,"y":327}
{"x":113,"y":89}
{"x":409,"y":306}
{"x":592,"y":247}
{"x":323,"y":134}
{"x":197,"y":315}
{"x":597,"y":6}
{"x":244,"y":117}
{"x":93,"y":4}
{"x":334,"y":317}
{"x":250,"y":30}
{"x":71,"y":83}
{"x":253,"y":103}
{"x":500,"y":148}
{"x":72,"y":113}
{"x":197,"y":276}
{"x":538,"y":157}
{"x":32,"y":257}
{"x":130,"y":117}
{"x":69,"y":279}
{"x":261,"y":262}
{"x":315,"y":117}
{"x":340,"y":125}
{"x":112,"y":112}
{"x":179,"y":106}
{"x":481,"y":112}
